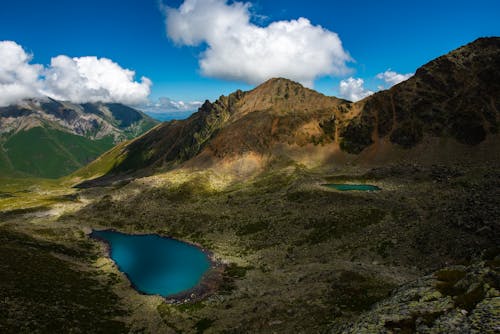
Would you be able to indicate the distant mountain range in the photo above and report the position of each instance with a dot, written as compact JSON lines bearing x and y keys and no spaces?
{"x":48,"y":138}
{"x":448,"y":110}
{"x":169,"y":115}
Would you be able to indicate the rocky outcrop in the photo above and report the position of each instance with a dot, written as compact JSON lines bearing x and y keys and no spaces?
{"x":457,"y":299}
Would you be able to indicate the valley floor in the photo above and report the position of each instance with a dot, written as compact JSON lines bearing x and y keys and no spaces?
{"x":418,"y":256}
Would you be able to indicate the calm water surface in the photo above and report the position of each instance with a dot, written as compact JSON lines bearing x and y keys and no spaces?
{"x":154,"y":264}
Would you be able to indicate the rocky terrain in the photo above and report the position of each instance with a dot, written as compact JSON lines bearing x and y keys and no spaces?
{"x":244,"y":178}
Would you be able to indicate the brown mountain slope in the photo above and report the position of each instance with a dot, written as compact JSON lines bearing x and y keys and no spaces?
{"x":278,"y":111}
{"x":456,"y":96}
{"x":275,"y":112}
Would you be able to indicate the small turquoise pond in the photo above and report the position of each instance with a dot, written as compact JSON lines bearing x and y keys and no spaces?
{"x":350,"y":187}
{"x":156,"y":265}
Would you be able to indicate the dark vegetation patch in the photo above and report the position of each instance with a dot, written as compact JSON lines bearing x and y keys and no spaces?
{"x":447,"y":279}
{"x":357,"y":135}
{"x":417,"y":173}
{"x":6,"y":195}
{"x":272,"y":182}
{"x":93,"y":108}
{"x":325,"y":228}
{"x":328,"y":127}
{"x":467,"y":127}
{"x":203,"y":324}
{"x":44,"y":294}
{"x":14,"y":111}
{"x":5,"y":215}
{"x":187,"y":190}
{"x":408,"y":134}
{"x":126,"y":116}
{"x":355,"y":292}
{"x":252,"y":228}
{"x":232,"y":273}
{"x":190,"y":307}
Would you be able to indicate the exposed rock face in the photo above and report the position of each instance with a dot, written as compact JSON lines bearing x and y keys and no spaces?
{"x":456,"y":299}
{"x":91,"y":120}
{"x":456,"y":96}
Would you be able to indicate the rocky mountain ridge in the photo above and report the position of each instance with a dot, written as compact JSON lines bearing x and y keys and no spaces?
{"x":453,"y":100}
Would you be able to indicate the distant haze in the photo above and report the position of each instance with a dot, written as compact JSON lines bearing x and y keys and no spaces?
{"x":169,"y":115}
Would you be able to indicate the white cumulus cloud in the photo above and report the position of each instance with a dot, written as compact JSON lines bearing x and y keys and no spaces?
{"x":79,"y":80}
{"x":18,"y":78}
{"x":91,"y":79}
{"x":237,"y":49}
{"x":353,"y":89}
{"x":393,"y":78}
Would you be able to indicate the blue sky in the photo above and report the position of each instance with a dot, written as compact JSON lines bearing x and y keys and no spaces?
{"x":378,"y":35}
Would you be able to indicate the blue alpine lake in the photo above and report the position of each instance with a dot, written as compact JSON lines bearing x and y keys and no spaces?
{"x":156,"y":265}
{"x":351,"y":187}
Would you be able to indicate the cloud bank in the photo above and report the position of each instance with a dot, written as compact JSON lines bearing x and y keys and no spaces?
{"x":239,"y":50}
{"x":164,"y":104}
{"x":79,"y":80}
{"x":18,"y":79}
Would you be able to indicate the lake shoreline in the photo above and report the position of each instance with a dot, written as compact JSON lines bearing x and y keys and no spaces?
{"x":208,"y":284}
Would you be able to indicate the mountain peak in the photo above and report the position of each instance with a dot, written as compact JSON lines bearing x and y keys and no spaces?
{"x":455,"y":95}
{"x":284,"y":95}
{"x":280,"y":87}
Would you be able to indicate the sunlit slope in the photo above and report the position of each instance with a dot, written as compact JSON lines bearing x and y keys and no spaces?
{"x":448,"y":110}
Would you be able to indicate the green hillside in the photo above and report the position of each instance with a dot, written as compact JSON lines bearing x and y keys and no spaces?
{"x":49,"y":139}
{"x":48,"y":153}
